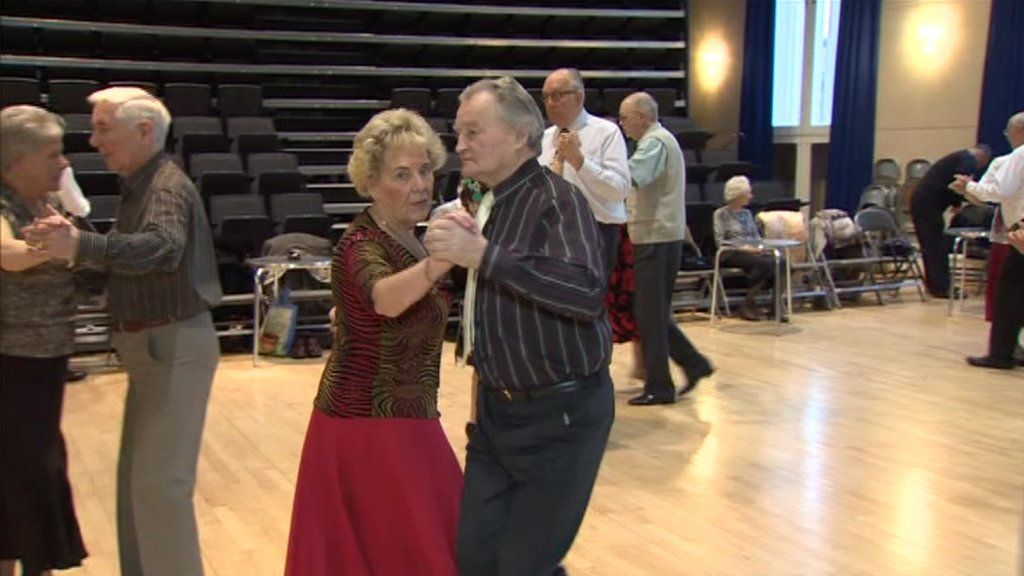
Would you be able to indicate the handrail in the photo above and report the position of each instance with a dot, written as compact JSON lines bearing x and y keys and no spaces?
{"x":332,"y":37}
{"x":442,"y":8}
{"x":318,"y":70}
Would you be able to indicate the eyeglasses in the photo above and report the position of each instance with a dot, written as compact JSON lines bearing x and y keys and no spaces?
{"x":557,"y":95}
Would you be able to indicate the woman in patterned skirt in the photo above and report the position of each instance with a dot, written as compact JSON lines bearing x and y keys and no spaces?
{"x":39,"y":528}
{"x":378,"y":486}
{"x":619,"y":303}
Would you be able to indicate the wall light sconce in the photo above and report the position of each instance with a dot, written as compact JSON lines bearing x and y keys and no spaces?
{"x":931,"y":37}
{"x":712,"y":63}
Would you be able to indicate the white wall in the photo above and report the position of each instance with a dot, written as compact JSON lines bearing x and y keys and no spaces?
{"x":716,"y":67}
{"x":931,"y":62}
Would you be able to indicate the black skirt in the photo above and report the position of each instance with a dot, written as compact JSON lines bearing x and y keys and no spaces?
{"x":37,"y":515}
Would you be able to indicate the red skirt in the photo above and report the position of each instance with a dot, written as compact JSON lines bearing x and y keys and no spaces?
{"x":374,"y":496}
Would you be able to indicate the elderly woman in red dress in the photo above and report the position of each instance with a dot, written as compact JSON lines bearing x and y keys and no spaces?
{"x":379,"y":486}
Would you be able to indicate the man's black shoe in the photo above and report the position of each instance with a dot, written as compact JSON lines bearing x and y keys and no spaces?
{"x":694,"y":377}
{"x":648,"y":399}
{"x":75,"y":375}
{"x":990,"y":362}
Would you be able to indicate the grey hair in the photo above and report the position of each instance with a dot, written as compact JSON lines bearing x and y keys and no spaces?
{"x":517,"y":108}
{"x":135,"y":105}
{"x":735,"y":186}
{"x":645,"y":104}
{"x":575,"y":78}
{"x":387,"y":129}
{"x":24,"y":129}
{"x":1016,"y":121}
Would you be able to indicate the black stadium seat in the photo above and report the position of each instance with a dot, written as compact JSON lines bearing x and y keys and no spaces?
{"x":218,"y":174}
{"x":92,"y":174}
{"x":71,"y":96}
{"x":103,"y":211}
{"x":415,"y":99}
{"x":18,"y":91}
{"x":240,"y":100}
{"x":275,"y":173}
{"x":240,"y":224}
{"x":303,"y":212}
{"x":188,"y":99}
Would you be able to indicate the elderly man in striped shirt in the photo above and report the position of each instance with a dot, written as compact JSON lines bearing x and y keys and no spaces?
{"x":540,"y":340}
{"x":162,"y":282}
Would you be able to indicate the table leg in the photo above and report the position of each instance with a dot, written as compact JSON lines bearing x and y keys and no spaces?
{"x":256,"y":304}
{"x":777,"y":295}
{"x":957,"y":242}
{"x":789,"y":286}
{"x":714,"y":285}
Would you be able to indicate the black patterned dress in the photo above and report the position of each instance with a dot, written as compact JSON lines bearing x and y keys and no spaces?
{"x":619,"y":301}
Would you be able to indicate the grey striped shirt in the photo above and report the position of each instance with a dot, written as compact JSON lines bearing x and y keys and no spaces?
{"x":540,"y":315}
{"x":159,"y":254}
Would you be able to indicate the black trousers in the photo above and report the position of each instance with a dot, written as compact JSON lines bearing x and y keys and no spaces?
{"x":37,"y":516}
{"x":530,"y":469}
{"x":610,"y":246}
{"x":654,"y":275}
{"x":935,"y":249}
{"x":759,"y":268}
{"x":1008,"y":315}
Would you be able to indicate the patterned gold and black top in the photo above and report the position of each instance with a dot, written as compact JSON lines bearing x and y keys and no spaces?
{"x":36,"y":304}
{"x":380,"y":367}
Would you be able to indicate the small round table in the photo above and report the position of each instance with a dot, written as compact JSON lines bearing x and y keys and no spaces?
{"x":269,"y":269}
{"x":779,"y":250}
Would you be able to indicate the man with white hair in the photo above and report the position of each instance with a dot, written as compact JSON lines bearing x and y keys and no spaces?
{"x":1005,"y":186}
{"x":657,"y":226}
{"x":162,"y":282}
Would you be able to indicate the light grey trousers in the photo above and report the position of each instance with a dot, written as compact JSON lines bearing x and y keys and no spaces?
{"x":170,"y":371}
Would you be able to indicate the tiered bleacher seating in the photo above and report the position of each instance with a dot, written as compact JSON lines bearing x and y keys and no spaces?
{"x":318,"y":71}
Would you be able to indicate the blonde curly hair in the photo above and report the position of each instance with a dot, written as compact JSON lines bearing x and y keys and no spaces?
{"x":398,"y":127}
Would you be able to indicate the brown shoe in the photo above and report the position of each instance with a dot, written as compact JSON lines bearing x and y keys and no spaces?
{"x":298,"y":349}
{"x":751,"y":314}
{"x":313,"y":348}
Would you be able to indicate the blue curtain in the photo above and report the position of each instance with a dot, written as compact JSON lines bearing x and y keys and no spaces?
{"x":1002,"y":89}
{"x":756,"y":93}
{"x":852,"y":137}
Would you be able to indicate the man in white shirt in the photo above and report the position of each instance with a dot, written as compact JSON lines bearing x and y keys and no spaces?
{"x":1005,"y":186}
{"x":589,"y":152}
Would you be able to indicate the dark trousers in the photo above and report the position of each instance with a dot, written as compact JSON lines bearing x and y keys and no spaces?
{"x":530,"y":469}
{"x":610,"y":246}
{"x":758,"y":267}
{"x":935,"y":249}
{"x":38,"y":525}
{"x":1009,"y":308}
{"x":654,"y":275}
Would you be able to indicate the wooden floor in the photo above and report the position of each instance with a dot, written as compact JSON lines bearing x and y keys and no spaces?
{"x":856,"y":443}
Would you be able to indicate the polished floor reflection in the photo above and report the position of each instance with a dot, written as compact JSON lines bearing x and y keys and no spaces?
{"x":859,"y":444}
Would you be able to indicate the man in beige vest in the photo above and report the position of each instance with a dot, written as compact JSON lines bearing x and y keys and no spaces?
{"x":656,"y":221}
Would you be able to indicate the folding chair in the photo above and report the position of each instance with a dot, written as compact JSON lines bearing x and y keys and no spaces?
{"x":893,"y":258}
